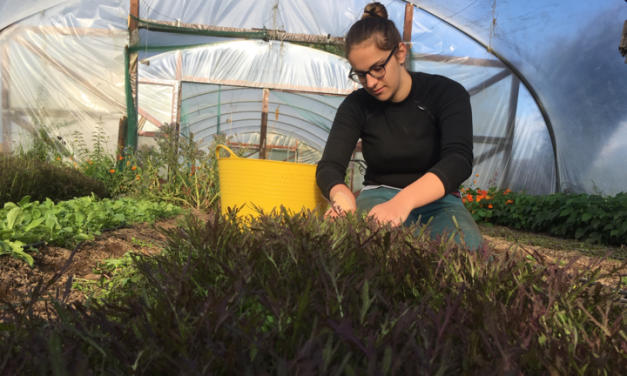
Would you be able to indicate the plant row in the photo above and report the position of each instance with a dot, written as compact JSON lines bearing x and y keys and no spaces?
{"x":592,"y":218}
{"x":68,"y":222}
{"x":310,"y":296}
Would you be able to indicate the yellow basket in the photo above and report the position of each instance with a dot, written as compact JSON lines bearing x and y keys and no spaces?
{"x":266,"y":185}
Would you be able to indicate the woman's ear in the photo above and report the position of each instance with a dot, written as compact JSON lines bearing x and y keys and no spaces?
{"x":401,"y":55}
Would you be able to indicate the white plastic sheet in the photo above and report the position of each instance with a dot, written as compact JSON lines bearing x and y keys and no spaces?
{"x":14,"y":11}
{"x":254,"y":64}
{"x":63,"y":70}
{"x":567,"y":52}
{"x":321,"y":17}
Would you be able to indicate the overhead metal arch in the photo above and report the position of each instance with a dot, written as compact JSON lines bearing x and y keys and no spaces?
{"x":287,"y":126}
{"x":242,"y":112}
{"x":524,"y":81}
{"x":298,"y":107}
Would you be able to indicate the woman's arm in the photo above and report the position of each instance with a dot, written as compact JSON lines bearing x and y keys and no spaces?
{"x":423,"y":191}
{"x":342,"y":201}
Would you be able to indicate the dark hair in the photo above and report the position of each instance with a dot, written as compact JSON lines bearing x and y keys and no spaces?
{"x":374,"y":25}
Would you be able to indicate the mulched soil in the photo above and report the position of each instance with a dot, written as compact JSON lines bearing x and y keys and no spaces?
{"x":17,"y":278}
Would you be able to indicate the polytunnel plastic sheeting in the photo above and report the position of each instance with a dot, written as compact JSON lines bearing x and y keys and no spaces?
{"x":303,"y":116}
{"x":305,"y":153}
{"x":505,"y":150}
{"x":156,"y":103}
{"x":63,"y":71}
{"x":323,"y":17}
{"x":567,"y":53}
{"x":14,"y":11}
{"x":254,"y":64}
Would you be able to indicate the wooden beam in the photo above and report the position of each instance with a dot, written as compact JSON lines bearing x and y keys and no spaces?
{"x":264,"y":124}
{"x":149,"y":117}
{"x":181,"y":27}
{"x":489,"y":82}
{"x":5,"y":98}
{"x":121,"y":135}
{"x":407,"y":28}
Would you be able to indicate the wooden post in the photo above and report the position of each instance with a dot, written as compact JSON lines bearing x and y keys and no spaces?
{"x":409,"y":20}
{"x":122,"y":134}
{"x":6,"y":100}
{"x":264,"y":124}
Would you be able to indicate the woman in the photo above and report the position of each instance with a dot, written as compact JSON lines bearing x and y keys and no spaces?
{"x":416,"y":132}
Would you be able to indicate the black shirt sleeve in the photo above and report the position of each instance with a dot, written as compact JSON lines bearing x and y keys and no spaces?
{"x":454,"y":115}
{"x":341,"y":143}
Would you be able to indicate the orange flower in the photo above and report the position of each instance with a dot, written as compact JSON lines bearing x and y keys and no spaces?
{"x":90,"y":162}
{"x":490,"y":206}
{"x":74,"y":164}
{"x":507,"y":191}
{"x":121,"y":157}
{"x":134,"y":168}
{"x":128,"y":163}
{"x":475,"y":182}
{"x":71,"y":157}
{"x":138,"y":177}
{"x":469,"y":198}
{"x":58,"y":159}
{"x":477,"y":175}
{"x":509,"y":202}
{"x":112,"y":171}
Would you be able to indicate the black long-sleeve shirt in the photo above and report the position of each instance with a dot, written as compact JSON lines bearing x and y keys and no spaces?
{"x":429,"y":131}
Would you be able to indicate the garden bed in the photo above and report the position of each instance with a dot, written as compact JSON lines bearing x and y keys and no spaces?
{"x":17,"y":278}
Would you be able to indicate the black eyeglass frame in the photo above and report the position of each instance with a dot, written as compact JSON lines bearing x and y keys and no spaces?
{"x":353,"y":75}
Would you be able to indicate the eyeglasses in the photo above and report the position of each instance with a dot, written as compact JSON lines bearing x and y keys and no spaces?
{"x":378,"y":71}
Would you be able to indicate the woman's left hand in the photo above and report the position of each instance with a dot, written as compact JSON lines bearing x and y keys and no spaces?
{"x":394,"y":211}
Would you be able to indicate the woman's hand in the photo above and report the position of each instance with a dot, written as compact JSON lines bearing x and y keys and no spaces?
{"x":394,"y":211}
{"x":342,"y":201}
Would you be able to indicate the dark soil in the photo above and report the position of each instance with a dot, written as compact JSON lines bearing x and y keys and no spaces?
{"x":17,"y":278}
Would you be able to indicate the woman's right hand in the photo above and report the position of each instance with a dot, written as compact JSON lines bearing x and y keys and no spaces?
{"x":342,"y":201}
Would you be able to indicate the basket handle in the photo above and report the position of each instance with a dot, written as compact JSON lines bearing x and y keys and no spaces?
{"x":225,"y":148}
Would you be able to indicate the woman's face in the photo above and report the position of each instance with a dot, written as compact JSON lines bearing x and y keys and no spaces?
{"x":367,"y":55}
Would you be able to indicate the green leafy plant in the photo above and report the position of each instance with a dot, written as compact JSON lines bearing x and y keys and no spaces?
{"x":70,"y":221}
{"x":284,"y":294}
{"x":591,"y":218}
{"x":21,"y":176}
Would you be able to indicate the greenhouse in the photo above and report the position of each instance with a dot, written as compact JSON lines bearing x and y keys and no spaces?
{"x":547,"y":117}
{"x":112,"y":116}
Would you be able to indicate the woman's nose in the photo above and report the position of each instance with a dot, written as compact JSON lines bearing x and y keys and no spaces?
{"x":371,"y":81}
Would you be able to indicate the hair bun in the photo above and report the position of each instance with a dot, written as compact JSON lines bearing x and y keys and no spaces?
{"x":375,"y":10}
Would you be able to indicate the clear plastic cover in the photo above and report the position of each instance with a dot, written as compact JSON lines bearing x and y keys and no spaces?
{"x":510,"y":135}
{"x":210,"y":109}
{"x":321,"y":17}
{"x":567,"y":53}
{"x":63,"y":71}
{"x":254,"y":64}
{"x":62,"y":68}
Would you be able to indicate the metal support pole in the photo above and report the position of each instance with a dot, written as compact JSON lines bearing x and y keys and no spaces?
{"x":510,"y":131}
